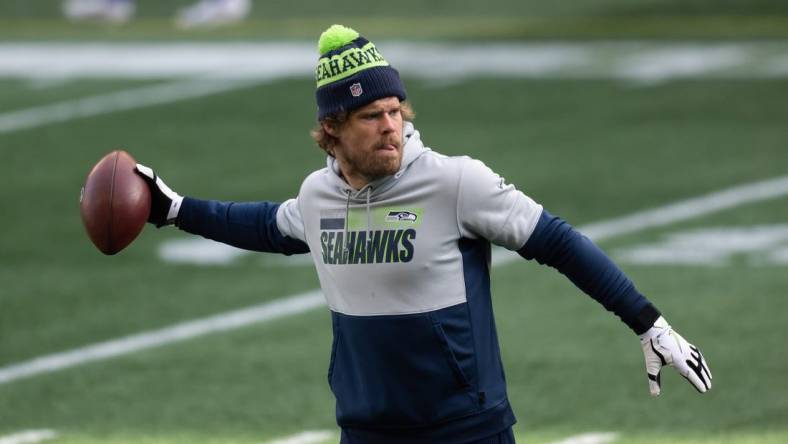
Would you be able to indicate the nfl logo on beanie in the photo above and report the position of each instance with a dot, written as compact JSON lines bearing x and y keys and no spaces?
{"x":355,"y":90}
{"x":348,"y":61}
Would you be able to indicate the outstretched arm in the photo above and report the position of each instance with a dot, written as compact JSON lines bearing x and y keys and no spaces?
{"x":248,"y":225}
{"x":555,"y":243}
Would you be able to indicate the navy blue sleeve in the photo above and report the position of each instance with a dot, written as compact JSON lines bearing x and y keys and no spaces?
{"x":247,"y":225}
{"x":555,"y":243}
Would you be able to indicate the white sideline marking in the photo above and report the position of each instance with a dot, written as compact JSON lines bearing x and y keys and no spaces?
{"x":116,"y":101}
{"x":267,"y":311}
{"x":778,"y":67}
{"x":757,"y":245}
{"x":28,"y":437}
{"x":589,"y":438}
{"x":630,"y":60}
{"x":201,"y":69}
{"x":658,"y":65}
{"x":308,"y":437}
{"x":231,"y":60}
{"x":201,"y":251}
{"x":293,"y":305}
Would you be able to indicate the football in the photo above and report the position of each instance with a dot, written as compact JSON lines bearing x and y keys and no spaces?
{"x":114,"y":203}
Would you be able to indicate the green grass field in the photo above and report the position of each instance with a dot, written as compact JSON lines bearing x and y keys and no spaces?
{"x":589,"y":149}
{"x":571,"y":367}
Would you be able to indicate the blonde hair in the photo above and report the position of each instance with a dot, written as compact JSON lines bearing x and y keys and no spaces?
{"x":327,"y":142}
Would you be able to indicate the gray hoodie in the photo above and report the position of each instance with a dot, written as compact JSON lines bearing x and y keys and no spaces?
{"x":436,"y":199}
{"x":404,"y":266}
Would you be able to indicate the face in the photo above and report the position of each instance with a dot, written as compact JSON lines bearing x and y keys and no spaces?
{"x":370,"y":142}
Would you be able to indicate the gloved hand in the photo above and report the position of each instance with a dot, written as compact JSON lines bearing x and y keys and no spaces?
{"x":165,"y":203}
{"x":662,"y":346}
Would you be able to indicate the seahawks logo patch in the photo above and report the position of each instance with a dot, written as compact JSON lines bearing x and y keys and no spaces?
{"x":401,"y":216}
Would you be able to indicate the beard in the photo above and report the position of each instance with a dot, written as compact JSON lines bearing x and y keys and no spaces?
{"x":376,"y":164}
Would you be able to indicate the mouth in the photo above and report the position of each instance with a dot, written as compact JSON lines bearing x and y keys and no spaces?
{"x":387,"y":147}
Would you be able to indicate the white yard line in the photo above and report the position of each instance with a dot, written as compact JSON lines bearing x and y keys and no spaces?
{"x":308,"y":437}
{"x":28,"y":437}
{"x":589,"y":438}
{"x":676,"y":212}
{"x":293,"y":305}
{"x":690,"y":208}
{"x":116,"y":101}
{"x":269,"y":311}
{"x":630,"y":60}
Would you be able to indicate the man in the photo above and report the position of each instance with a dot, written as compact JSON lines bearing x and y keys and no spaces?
{"x":400,"y":236}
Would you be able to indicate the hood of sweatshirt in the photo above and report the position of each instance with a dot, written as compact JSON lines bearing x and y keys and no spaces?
{"x":412,"y":149}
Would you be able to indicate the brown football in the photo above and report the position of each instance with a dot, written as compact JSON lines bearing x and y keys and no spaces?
{"x":115,"y":202}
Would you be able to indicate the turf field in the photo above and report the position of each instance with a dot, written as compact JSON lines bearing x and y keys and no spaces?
{"x":591,"y":149}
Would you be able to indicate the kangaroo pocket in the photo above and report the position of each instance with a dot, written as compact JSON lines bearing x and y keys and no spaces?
{"x":399,"y":371}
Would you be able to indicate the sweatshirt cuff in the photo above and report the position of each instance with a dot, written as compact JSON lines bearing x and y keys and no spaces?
{"x":644,"y":319}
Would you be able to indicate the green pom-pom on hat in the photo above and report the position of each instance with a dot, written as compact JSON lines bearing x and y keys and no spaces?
{"x":335,"y":37}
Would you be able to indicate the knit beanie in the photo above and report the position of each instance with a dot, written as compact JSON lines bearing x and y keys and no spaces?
{"x":351,"y":73}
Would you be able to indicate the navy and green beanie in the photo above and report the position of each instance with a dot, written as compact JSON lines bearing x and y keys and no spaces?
{"x":352,"y":73}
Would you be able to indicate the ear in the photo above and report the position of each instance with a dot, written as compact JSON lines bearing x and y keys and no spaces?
{"x":330,"y":129}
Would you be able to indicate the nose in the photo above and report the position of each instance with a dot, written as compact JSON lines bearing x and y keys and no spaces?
{"x":388,"y":124}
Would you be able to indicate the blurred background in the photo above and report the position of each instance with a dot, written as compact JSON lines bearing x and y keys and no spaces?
{"x":407,"y":19}
{"x":657,"y":127}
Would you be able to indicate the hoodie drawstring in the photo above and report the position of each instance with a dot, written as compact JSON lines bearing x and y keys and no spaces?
{"x":347,"y":217}
{"x":369,"y":224}
{"x":345,"y":238}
